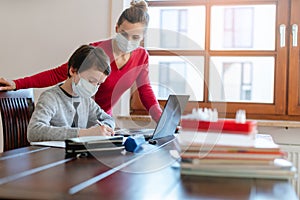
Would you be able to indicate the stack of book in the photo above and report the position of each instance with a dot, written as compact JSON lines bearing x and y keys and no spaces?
{"x":209,"y":149}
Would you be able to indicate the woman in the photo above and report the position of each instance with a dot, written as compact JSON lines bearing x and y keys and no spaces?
{"x":129,"y":64}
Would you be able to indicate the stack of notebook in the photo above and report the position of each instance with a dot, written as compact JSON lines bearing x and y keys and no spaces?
{"x":230,"y":153}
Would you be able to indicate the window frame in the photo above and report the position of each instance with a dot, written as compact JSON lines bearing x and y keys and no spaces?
{"x":294,"y":59}
{"x":281,"y":107}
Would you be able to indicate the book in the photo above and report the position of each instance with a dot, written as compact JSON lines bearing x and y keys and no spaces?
{"x":275,"y":164}
{"x":204,"y":140}
{"x":243,"y":173}
{"x":188,"y":138}
{"x":261,"y":146}
{"x":59,"y":144}
{"x":234,"y":155}
{"x":208,"y":148}
{"x":86,"y":145}
{"x":277,"y":169}
{"x":227,"y":161}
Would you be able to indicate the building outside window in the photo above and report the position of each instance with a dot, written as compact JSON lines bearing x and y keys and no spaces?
{"x":172,"y":78}
{"x":174,"y":20}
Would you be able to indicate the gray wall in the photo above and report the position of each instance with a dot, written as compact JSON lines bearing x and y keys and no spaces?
{"x":41,"y":34}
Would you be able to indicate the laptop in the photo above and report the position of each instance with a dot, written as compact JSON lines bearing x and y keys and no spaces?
{"x":168,"y":121}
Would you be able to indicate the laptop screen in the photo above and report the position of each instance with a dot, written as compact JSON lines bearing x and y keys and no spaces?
{"x":171,"y":115}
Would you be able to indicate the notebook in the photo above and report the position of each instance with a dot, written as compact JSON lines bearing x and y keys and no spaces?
{"x":168,"y":121}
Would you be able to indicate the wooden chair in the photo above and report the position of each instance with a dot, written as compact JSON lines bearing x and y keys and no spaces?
{"x":16,"y":108}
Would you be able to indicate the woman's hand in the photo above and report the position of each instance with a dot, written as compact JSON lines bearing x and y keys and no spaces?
{"x":6,"y":84}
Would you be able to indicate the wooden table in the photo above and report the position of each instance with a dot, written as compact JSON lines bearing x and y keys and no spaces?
{"x":43,"y":173}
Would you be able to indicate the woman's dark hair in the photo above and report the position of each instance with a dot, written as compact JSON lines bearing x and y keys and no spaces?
{"x":86,"y":57}
{"x":136,"y":13}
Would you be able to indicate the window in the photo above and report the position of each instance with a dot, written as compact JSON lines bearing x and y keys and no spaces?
{"x":171,"y":75}
{"x":231,"y":77}
{"x":238,"y":27}
{"x":183,"y":28}
{"x":174,"y":20}
{"x":243,"y":27}
{"x":175,"y":74}
{"x":243,"y":75}
{"x":246,"y":81}
{"x":234,"y":51}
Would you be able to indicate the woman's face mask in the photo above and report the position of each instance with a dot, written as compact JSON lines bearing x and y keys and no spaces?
{"x":84,"y":88}
{"x":126,"y":45}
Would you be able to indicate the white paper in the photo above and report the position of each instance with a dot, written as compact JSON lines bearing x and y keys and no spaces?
{"x":60,"y":144}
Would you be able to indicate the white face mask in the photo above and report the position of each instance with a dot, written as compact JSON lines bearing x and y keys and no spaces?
{"x":126,"y":45}
{"x":84,"y":88}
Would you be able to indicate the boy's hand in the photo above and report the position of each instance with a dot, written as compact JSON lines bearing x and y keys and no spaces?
{"x":6,"y":84}
{"x":96,"y":131}
{"x":106,"y":130}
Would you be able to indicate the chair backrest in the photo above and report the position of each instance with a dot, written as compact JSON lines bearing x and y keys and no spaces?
{"x":16,"y":108}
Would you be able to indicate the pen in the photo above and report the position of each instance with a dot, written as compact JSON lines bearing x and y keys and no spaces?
{"x":100,"y":123}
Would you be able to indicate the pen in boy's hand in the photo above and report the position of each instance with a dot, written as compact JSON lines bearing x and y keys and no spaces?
{"x":100,"y":123}
{"x":108,"y":129}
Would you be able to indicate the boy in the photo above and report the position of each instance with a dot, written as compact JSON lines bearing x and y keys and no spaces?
{"x":67,"y":110}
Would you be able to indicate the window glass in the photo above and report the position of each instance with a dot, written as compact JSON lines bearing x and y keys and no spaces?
{"x":249,"y":27}
{"x":177,"y":75}
{"x":241,"y":79}
{"x":176,"y":28}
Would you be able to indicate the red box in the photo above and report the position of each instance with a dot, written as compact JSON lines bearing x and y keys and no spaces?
{"x":225,"y":125}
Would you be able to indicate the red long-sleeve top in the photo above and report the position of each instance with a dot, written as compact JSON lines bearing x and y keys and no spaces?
{"x":109,"y":92}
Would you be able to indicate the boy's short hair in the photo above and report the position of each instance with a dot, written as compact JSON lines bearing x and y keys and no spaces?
{"x":86,"y":57}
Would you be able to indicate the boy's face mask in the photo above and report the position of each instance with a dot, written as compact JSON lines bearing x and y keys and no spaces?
{"x":126,"y":45}
{"x":84,"y":88}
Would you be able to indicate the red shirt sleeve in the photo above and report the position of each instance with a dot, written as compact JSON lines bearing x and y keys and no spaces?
{"x":44,"y":79}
